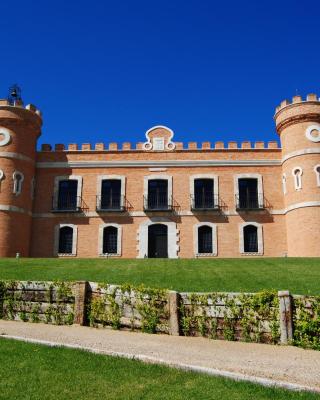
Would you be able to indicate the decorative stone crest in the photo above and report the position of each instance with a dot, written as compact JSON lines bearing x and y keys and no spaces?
{"x":313,"y":133}
{"x":159,"y":139}
{"x":4,"y":136}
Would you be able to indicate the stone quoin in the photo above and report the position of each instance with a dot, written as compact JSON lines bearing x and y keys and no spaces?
{"x":160,"y":198}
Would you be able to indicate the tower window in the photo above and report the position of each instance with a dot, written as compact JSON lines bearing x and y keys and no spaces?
{"x":317,"y":171}
{"x":18,"y":178}
{"x":297,"y":176}
{"x":284,"y":183}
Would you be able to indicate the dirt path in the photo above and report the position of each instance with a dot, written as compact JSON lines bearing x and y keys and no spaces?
{"x":289,"y":367}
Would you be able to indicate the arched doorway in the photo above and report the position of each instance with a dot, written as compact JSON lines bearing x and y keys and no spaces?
{"x":158,"y":241}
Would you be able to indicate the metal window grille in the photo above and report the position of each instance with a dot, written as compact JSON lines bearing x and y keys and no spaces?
{"x":250,"y":238}
{"x":65,"y":240}
{"x":205,"y":239}
{"x":110,"y":240}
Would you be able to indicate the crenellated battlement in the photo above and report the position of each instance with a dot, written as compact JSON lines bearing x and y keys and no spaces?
{"x":4,"y":103}
{"x":179,"y":146}
{"x":311,"y":97}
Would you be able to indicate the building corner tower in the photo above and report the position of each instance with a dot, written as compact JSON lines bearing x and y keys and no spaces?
{"x":298,"y":124}
{"x":20,"y":128}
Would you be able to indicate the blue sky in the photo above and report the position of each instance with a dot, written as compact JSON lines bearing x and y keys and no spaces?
{"x":109,"y":70}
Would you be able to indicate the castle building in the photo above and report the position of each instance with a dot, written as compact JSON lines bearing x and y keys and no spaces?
{"x":160,"y":198}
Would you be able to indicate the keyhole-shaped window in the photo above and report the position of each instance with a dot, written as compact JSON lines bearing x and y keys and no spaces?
{"x":317,"y":171}
{"x":297,"y":176}
{"x":18,"y":178}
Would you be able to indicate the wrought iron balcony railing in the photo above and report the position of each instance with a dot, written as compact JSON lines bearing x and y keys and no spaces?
{"x":250,"y":202}
{"x":66,"y":203}
{"x":110,"y":203}
{"x":205,"y":202}
{"x":157,"y":202}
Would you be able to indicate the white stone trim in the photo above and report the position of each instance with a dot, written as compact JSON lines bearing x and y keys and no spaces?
{"x":297,"y":178}
{"x":74,"y":240}
{"x":166,"y":177}
{"x":17,"y":156}
{"x":158,"y":164}
{"x":119,"y":240}
{"x":121,"y":178}
{"x":173,"y":237}
{"x":214,"y":177}
{"x":284,"y":183}
{"x":248,"y":175}
{"x":148,"y":145}
{"x":298,"y":153}
{"x":11,"y":208}
{"x":315,"y":127}
{"x":57,"y":180}
{"x":17,"y":187}
{"x":317,"y":172}
{"x":196,"y":239}
{"x":260,"y":238}
{"x":6,"y":136}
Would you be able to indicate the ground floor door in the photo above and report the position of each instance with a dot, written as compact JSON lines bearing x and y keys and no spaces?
{"x":158,"y":241}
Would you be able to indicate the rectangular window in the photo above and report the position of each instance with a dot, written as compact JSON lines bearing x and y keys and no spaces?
{"x":248,"y":193}
{"x":111,"y":194}
{"x":203,"y":194}
{"x":157,"y":194}
{"x":67,"y":195}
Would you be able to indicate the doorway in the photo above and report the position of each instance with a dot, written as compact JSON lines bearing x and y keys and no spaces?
{"x":158,"y":241}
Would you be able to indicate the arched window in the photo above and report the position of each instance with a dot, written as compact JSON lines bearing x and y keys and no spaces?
{"x":297,"y":176}
{"x":205,"y":239}
{"x":250,"y":239}
{"x":284,"y":183}
{"x":17,"y":182}
{"x":110,"y":240}
{"x":317,"y":171}
{"x":65,"y":240}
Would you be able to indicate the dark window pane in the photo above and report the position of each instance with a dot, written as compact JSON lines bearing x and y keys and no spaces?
{"x":65,"y":240}
{"x":110,"y":240}
{"x":157,"y":194}
{"x":158,"y":241}
{"x":248,"y":193}
{"x":250,"y":238}
{"x":67,"y":197}
{"x":205,"y":239}
{"x":203,"y":193}
{"x":111,"y":194}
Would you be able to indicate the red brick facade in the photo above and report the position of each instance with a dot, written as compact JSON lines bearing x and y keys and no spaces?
{"x":284,"y":218}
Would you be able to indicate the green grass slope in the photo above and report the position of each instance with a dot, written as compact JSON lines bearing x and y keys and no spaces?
{"x":30,"y":371}
{"x":299,"y":275}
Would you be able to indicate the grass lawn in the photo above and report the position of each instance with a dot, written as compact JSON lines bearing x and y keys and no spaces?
{"x":299,"y":275}
{"x":30,"y":371}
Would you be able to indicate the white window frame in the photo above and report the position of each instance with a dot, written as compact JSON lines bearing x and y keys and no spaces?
{"x":74,"y":240}
{"x":57,"y":180}
{"x":121,"y":178}
{"x":215,"y":179}
{"x":249,"y":175}
{"x":317,"y":172}
{"x":119,"y":240}
{"x":196,"y":239}
{"x":297,"y":178}
{"x":17,"y":189}
{"x":148,"y":178}
{"x":284,"y":183}
{"x":260,"y":239}
{"x":173,"y":237}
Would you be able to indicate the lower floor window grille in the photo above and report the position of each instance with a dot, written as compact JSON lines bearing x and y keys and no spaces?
{"x":66,"y":240}
{"x":205,"y":239}
{"x":250,"y":234}
{"x":110,"y":240}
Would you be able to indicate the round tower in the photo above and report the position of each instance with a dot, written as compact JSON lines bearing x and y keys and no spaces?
{"x":20,"y":128}
{"x":298,"y":124}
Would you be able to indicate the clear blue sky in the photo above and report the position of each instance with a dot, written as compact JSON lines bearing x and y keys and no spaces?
{"x":109,"y":70}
